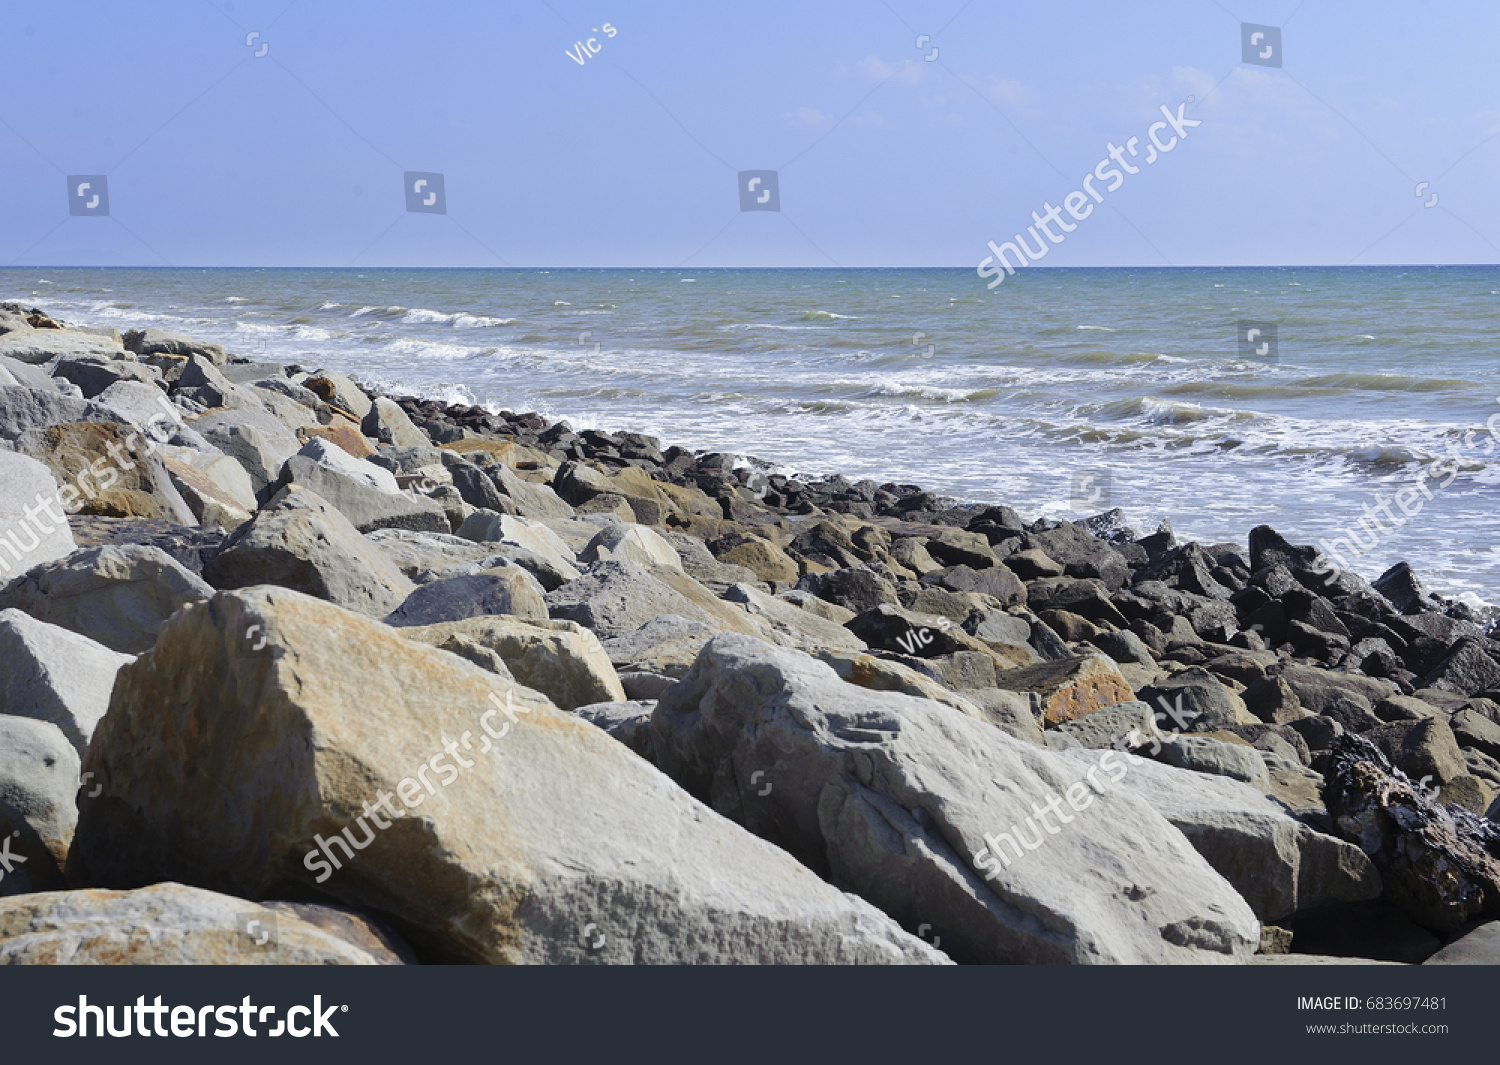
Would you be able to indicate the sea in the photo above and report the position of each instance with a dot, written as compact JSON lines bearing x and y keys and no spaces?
{"x":1214,"y":398}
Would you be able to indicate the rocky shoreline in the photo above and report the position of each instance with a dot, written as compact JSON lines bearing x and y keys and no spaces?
{"x":297,"y":672}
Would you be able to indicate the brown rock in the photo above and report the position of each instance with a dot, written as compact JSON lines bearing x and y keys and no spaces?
{"x":767,"y":561}
{"x":347,"y":437}
{"x":106,"y":470}
{"x":1071,"y":687}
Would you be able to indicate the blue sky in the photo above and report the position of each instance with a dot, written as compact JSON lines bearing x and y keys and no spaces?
{"x":217,"y":156}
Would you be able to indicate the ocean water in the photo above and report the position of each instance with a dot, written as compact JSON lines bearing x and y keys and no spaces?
{"x":1061,"y":393}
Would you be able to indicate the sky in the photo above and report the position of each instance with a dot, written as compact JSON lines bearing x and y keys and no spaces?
{"x":291,"y":147}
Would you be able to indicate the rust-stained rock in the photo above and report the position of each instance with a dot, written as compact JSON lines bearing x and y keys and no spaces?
{"x":347,"y":437}
{"x":106,"y":470}
{"x":1071,"y":687}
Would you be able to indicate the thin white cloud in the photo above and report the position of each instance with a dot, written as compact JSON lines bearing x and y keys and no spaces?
{"x":875,"y":69}
{"x":808,"y":118}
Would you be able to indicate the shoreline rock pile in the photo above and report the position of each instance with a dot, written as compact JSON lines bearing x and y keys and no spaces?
{"x":404,"y":681}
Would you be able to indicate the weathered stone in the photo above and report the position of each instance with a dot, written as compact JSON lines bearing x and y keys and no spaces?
{"x":631,"y":543}
{"x":505,"y":855}
{"x":641,"y":686}
{"x":1407,"y":594}
{"x":164,"y":924}
{"x":360,"y":929}
{"x":159,"y":342}
{"x":33,"y":526}
{"x":1421,"y":749}
{"x":1273,"y":701}
{"x":191,"y":546}
{"x":27,"y":376}
{"x":898,"y":630}
{"x":1124,"y":726}
{"x":1474,"y":730}
{"x":35,"y":347}
{"x":334,"y":388}
{"x":525,"y":533}
{"x":793,"y":626}
{"x":1481,"y":946}
{"x":628,"y":722}
{"x":666,"y":645}
{"x":1070,"y":688}
{"x":1318,"y":732}
{"x":1214,"y":757}
{"x":33,"y":408}
{"x":1081,"y":554}
{"x":347,"y":437}
{"x":208,"y":503}
{"x":1010,"y":711}
{"x":563,"y":661}
{"x":1033,"y":564}
{"x":95,"y":373}
{"x":506,"y":590}
{"x":387,"y":423}
{"x":1277,"y":863}
{"x":886,"y":675}
{"x":955,"y":547}
{"x":39,"y":778}
{"x":415,"y":553}
{"x":996,"y":581}
{"x":1124,"y":647}
{"x":225,"y":472}
{"x":117,"y":595}
{"x":536,"y":501}
{"x":55,"y":675}
{"x":857,"y":589}
{"x":261,"y":445}
{"x":767,"y":561}
{"x":367,"y":508}
{"x":958,"y":671}
{"x":901,"y":798}
{"x":106,"y":470}
{"x":615,"y":598}
{"x":1404,"y":708}
{"x":1465,"y":669}
{"x":1196,"y":701}
{"x":1318,"y":689}
{"x":302,"y":542}
{"x":823,"y":608}
{"x":478,"y":490}
{"x":1088,"y":598}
